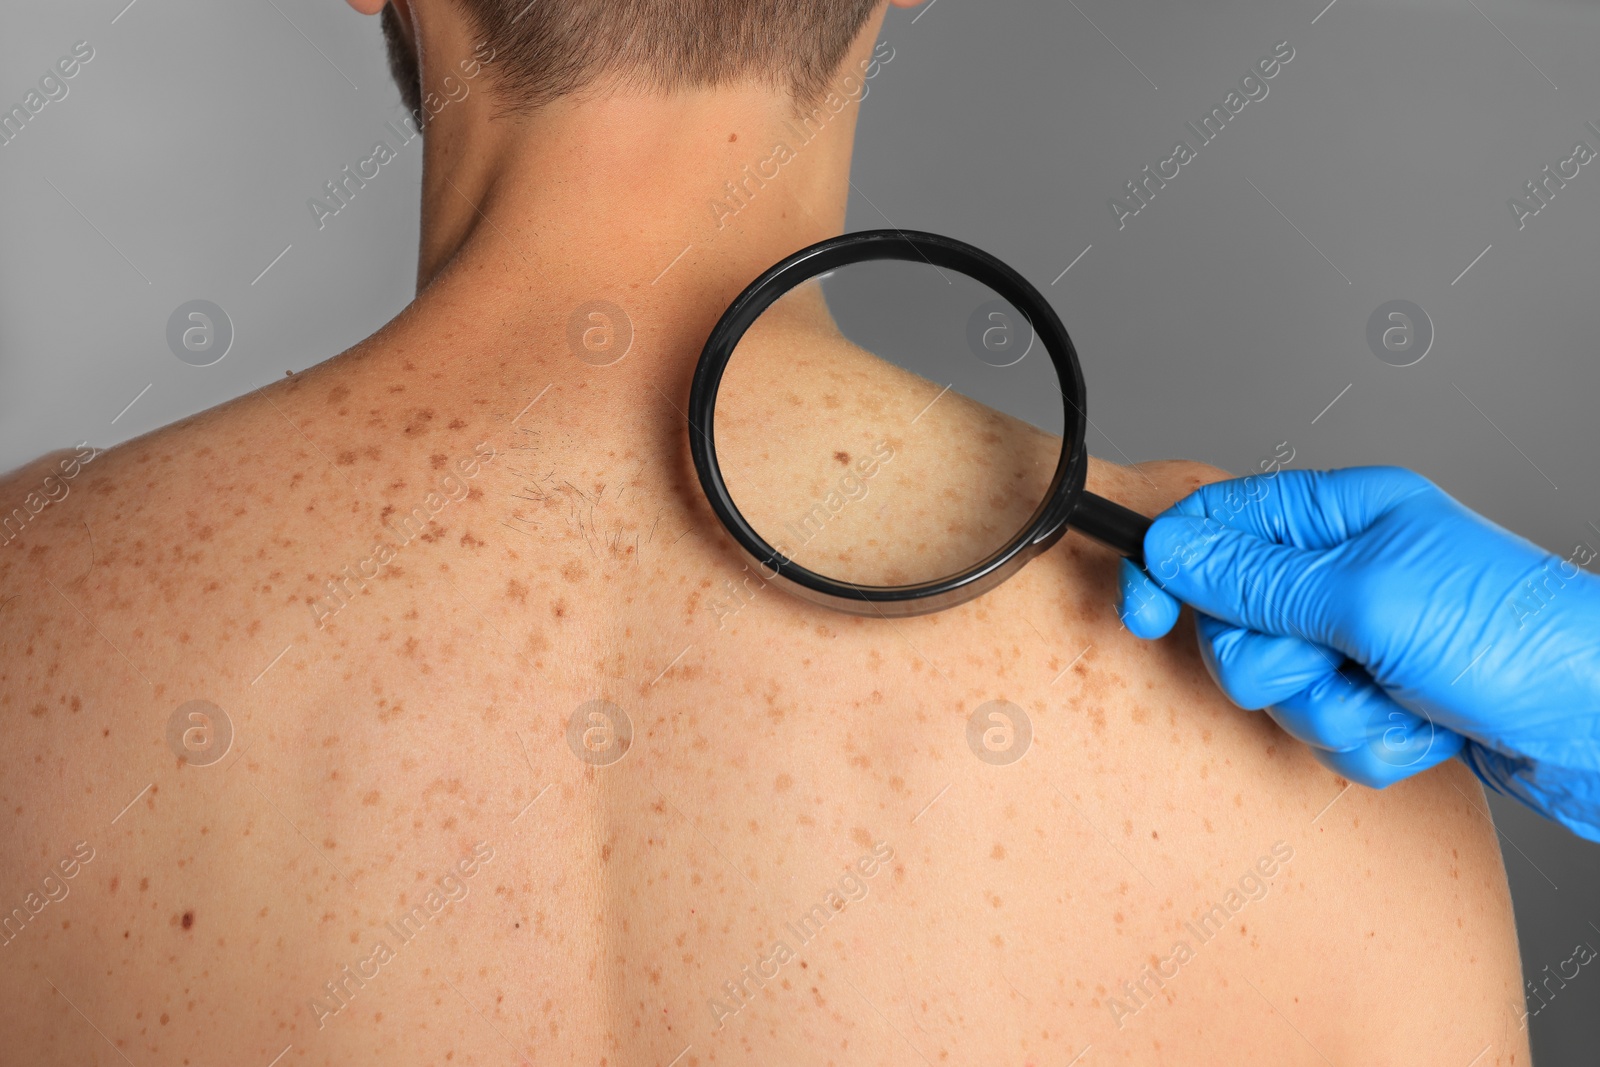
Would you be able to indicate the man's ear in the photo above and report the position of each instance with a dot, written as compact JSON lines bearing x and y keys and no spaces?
{"x":402,"y":9}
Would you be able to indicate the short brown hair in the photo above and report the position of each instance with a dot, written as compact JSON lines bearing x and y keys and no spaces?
{"x":545,"y":49}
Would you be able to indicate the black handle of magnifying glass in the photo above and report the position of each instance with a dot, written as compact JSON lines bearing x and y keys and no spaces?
{"x":1118,"y":528}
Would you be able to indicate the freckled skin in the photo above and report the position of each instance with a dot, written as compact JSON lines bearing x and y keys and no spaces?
{"x":432,"y":709}
{"x":772,"y":749}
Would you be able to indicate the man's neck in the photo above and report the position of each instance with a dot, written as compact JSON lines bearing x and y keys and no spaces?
{"x":674,"y":203}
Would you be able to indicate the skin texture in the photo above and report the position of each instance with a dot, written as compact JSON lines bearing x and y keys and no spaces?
{"x":780,"y":747}
{"x":416,"y":725}
{"x":809,"y":427}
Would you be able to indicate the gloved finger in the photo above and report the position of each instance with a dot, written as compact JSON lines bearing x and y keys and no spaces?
{"x":1378,"y":764}
{"x":1307,"y":509}
{"x":1345,"y":710}
{"x":1253,"y":669}
{"x":1144,"y":608}
{"x":1241,"y":579}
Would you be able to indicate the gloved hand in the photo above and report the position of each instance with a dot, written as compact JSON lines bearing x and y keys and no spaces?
{"x":1389,"y":627}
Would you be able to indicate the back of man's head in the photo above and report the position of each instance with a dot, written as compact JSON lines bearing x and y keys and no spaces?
{"x":546,"y":49}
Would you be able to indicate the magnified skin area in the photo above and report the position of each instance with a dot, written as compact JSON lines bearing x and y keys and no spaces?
{"x":864,"y":472}
{"x":776,"y":748}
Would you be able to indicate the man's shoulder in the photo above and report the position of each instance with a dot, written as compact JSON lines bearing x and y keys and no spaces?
{"x":33,"y":498}
{"x":27,"y":490}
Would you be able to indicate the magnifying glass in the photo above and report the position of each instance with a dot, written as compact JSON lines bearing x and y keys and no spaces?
{"x":891,"y":423}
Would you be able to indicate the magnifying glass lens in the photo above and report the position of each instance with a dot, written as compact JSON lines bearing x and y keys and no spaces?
{"x":889,"y":423}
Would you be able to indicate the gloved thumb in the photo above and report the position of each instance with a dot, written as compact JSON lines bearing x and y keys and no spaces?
{"x":1241,"y":579}
{"x":1143,"y":607}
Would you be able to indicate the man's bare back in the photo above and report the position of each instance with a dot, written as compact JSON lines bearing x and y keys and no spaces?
{"x":417,"y":847}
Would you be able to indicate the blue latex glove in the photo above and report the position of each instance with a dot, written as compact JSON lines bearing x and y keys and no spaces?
{"x":1389,"y":627}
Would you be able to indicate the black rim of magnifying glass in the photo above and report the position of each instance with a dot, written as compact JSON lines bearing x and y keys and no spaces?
{"x":1066,"y":503}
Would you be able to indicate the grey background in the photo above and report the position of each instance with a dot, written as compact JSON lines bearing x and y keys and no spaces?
{"x":1211,"y":327}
